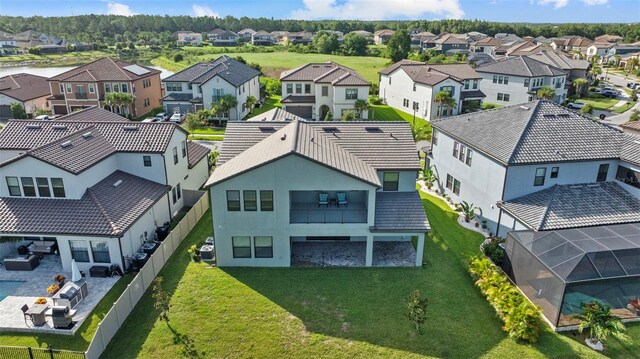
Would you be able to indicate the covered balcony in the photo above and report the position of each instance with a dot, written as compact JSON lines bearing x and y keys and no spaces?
{"x":328,"y":207}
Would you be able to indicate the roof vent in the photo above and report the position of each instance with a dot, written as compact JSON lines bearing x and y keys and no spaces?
{"x":87,"y":135}
{"x":267,"y":128}
{"x":576,"y":186}
{"x":330,"y":129}
{"x":372,"y":129}
{"x":66,"y":144}
{"x":548,"y":115}
{"x":524,"y":108}
{"x":593,"y":185}
{"x":563,"y":115}
{"x":284,"y":137}
{"x":59,"y":127}
{"x":130,"y":128}
{"x":34,"y":127}
{"x":117,"y":183}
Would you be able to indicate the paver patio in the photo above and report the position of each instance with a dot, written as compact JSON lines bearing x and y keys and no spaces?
{"x":352,"y":254}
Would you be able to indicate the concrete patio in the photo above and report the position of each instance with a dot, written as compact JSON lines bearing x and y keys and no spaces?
{"x":352,"y":254}
{"x":35,"y":286}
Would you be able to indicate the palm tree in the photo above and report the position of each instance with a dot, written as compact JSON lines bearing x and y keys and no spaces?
{"x":223,"y":105}
{"x":600,"y":321}
{"x":546,"y":92}
{"x":579,"y":84}
{"x":250,"y":103}
{"x":360,"y":106}
{"x":113,"y":99}
{"x":429,"y":176}
{"x":595,"y":71}
{"x":632,"y":63}
{"x":445,"y":99}
{"x":469,"y":210}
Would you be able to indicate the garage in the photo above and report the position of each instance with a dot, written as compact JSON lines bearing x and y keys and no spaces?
{"x":305,"y":112}
{"x":5,"y":112}
{"x":60,"y":110}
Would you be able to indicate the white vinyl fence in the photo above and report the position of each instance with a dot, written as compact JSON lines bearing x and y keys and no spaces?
{"x":130,"y":297}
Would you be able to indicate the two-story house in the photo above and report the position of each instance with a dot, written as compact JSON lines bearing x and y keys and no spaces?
{"x":294,"y":38}
{"x":345,"y":189}
{"x":486,"y":45}
{"x":448,"y":44}
{"x":604,"y":50}
{"x":89,"y":84}
{"x":220,"y":37}
{"x":30,"y":91}
{"x":614,"y":39}
{"x":313,"y":90}
{"x":571,"y":43}
{"x":200,"y":85}
{"x":381,"y":37}
{"x":497,"y":156}
{"x":190,"y":38}
{"x":517,"y":79}
{"x":412,"y":86}
{"x":96,"y":183}
{"x":245,"y":34}
{"x":262,"y":38}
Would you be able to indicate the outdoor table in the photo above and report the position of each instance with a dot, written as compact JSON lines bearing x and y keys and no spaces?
{"x":37,"y":314}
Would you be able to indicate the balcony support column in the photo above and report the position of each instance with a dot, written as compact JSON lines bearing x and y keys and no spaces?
{"x":420,"y":249}
{"x":369,"y":253}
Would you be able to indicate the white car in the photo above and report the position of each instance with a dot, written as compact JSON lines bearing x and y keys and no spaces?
{"x":150,"y":119}
{"x":177,"y":118}
{"x":162,"y":116}
{"x":576,"y":105}
{"x":43,"y":118}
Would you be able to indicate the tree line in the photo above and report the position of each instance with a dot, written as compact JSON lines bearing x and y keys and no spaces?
{"x":104,"y":28}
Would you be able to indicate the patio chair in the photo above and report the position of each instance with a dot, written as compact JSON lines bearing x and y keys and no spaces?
{"x":323,"y":199}
{"x":342,"y":199}
{"x":24,"y":310}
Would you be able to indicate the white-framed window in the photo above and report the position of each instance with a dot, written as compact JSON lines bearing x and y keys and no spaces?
{"x":241,"y":246}
{"x":233,"y":200}
{"x":289,"y":88}
{"x":325,"y":90}
{"x":125,"y":88}
{"x":61,"y":88}
{"x":298,"y":88}
{"x":14,"y":186}
{"x":184,"y":149}
{"x":541,"y":173}
{"x":475,"y":84}
{"x":434,"y":137}
{"x":146,"y":160}
{"x":92,"y":88}
{"x":263,"y":246}
{"x":175,"y":155}
{"x":456,"y":149}
{"x":351,"y":94}
{"x":100,"y":252}
{"x":116,"y":87}
{"x":79,"y":251}
{"x":466,"y":84}
{"x":69,"y":89}
{"x":107,"y":88}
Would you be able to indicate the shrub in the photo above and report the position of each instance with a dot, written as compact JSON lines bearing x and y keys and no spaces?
{"x":488,"y":106}
{"x":493,"y":249}
{"x":178,"y":57}
{"x":374,"y":89}
{"x":194,"y":253}
{"x":635,"y":115}
{"x":375,"y":100}
{"x":416,"y":309}
{"x":587,"y":108}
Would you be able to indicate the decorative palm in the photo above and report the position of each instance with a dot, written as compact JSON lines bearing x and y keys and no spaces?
{"x":546,"y":93}
{"x":250,"y":103}
{"x":595,"y":71}
{"x":469,"y":210}
{"x":429,"y":176}
{"x":118,"y":98}
{"x":444,"y":99}
{"x":579,"y":85}
{"x":600,"y":321}
{"x":361,"y":106}
{"x":223,"y":105}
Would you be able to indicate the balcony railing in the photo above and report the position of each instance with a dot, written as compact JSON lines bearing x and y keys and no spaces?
{"x":81,"y":95}
{"x":311,"y":213}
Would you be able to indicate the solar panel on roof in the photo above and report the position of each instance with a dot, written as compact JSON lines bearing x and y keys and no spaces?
{"x":138,"y":70}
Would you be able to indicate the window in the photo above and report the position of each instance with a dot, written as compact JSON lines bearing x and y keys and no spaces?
{"x":390,"y":181}
{"x":540,"y":174}
{"x":146,"y":160}
{"x":43,"y":187}
{"x":450,"y":89}
{"x":415,"y":106}
{"x":603,"y":170}
{"x":174,"y":86}
{"x":174,"y":195}
{"x":325,"y":90}
{"x":58,"y":187}
{"x":495,"y":79}
{"x":307,"y":88}
{"x":463,"y":153}
{"x":469,"y":157}
{"x":107,"y":88}
{"x":434,"y":138}
{"x":389,"y":80}
{"x":628,"y":176}
{"x":184,"y":149}
{"x":499,"y":96}
{"x":414,"y":87}
{"x":554,"y":172}
{"x":298,"y":88}
{"x":92,"y":88}
{"x":289,"y":88}
{"x":506,"y":97}
{"x":506,"y":80}
{"x":69,"y":89}
{"x":233,"y":201}
{"x":466,"y":84}
{"x":79,"y":251}
{"x":405,"y":102}
{"x":266,"y":201}
{"x":61,"y":88}
{"x":475,"y":84}
{"x":14,"y":186}
{"x":456,"y":187}
{"x":526,"y":82}
{"x":456,"y":147}
{"x":175,"y":155}
{"x":241,"y":247}
{"x":28,"y":187}
{"x":190,"y":86}
{"x":100,"y":252}
{"x":351,"y":94}
{"x":500,"y":79}
{"x":250,"y":201}
{"x":263,"y":246}
{"x":116,"y":87}
{"x":449,"y":181}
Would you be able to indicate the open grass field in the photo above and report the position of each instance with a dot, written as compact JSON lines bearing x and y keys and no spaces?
{"x":335,"y":312}
{"x":273,"y":63}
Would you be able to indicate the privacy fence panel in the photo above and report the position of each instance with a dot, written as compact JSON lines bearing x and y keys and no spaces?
{"x":109,"y":326}
{"x":95,"y":347}
{"x":123,"y":305}
{"x":136,"y":289}
{"x":167,"y":249}
{"x":158,"y":261}
{"x":148,"y":274}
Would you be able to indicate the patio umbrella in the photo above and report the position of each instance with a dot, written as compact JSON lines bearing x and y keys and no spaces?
{"x":75,"y":272}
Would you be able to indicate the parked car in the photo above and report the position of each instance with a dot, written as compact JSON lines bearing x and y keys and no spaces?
{"x":610,"y":94}
{"x":43,"y":118}
{"x":177,"y":117}
{"x":162,"y":116}
{"x":576,"y":105}
{"x":631,"y":84}
{"x":150,"y":119}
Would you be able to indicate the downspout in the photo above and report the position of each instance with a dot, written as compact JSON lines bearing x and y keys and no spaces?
{"x":166,"y":179}
{"x":121,"y":255}
{"x":504,"y":183}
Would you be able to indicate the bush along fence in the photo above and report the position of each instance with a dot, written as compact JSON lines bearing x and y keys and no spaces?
{"x":36,"y":353}
{"x":143,"y":280}
{"x":521,"y":318}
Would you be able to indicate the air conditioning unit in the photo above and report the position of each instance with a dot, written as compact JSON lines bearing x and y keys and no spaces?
{"x":207,"y":253}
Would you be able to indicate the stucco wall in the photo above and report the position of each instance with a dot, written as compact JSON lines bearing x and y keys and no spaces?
{"x":197,"y":176}
{"x":134,"y":163}
{"x":176,"y":172}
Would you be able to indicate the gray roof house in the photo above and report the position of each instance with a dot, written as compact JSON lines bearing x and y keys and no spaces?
{"x":198,"y":86}
{"x":358,"y":177}
{"x":91,"y":180}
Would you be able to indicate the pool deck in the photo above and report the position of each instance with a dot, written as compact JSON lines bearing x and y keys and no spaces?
{"x":35,"y":286}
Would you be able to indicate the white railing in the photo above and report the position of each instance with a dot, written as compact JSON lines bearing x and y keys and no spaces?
{"x":121,"y":309}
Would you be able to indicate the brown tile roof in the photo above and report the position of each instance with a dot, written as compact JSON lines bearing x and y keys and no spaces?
{"x":298,"y":99}
{"x":384,"y":32}
{"x":103,"y":69}
{"x":631,"y":125}
{"x":448,"y":39}
{"x":431,"y":74}
{"x":608,"y":38}
{"x":24,"y":87}
{"x":195,"y":153}
{"x":328,"y":72}
{"x":489,"y":41}
{"x":93,"y":113}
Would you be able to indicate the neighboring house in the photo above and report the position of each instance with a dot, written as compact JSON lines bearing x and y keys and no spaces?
{"x":476,"y":59}
{"x":339,"y":35}
{"x":294,"y":38}
{"x":541,"y":40}
{"x":30,"y":91}
{"x":89,"y":84}
{"x":632,"y":127}
{"x":448,"y":44}
{"x":495,"y":159}
{"x":313,"y":90}
{"x":473,"y":36}
{"x":306,"y":172}
{"x":608,"y":38}
{"x":198,"y":86}
{"x":190,"y":38}
{"x":262,"y":38}
{"x":505,"y":37}
{"x":381,"y":37}
{"x":280,"y":36}
{"x":276,"y":114}
{"x":420,"y":39}
{"x":571,"y":43}
{"x":366,"y":34}
{"x":624,"y":60}
{"x":246,"y":34}
{"x":573,"y":67}
{"x":97,"y":184}
{"x":517,"y":80}
{"x":220,"y":37}
{"x":412,"y":86}
{"x":8,"y":46}
{"x":486,"y":45}
{"x":604,"y":50}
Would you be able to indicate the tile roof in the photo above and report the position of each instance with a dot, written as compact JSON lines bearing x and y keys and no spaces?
{"x":104,"y":210}
{"x":631,"y":149}
{"x":276,"y":114}
{"x":299,"y":99}
{"x":431,"y":74}
{"x":534,"y":132}
{"x":228,"y":68}
{"x":93,"y":113}
{"x":521,"y":66}
{"x":103,"y":69}
{"x":195,"y":153}
{"x":631,"y":125}
{"x":178,"y":96}
{"x":400,"y":212}
{"x":607,"y":38}
{"x":471,"y":94}
{"x":559,"y":59}
{"x":488,"y":41}
{"x":24,"y":87}
{"x":448,"y":39}
{"x":571,"y":206}
{"x":324,"y":72}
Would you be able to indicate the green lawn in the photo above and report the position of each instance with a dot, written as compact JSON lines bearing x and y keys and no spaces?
{"x":386,"y":113}
{"x":206,"y":137}
{"x":624,"y":107}
{"x":599,"y":103}
{"x":80,"y":341}
{"x":335,"y":312}
{"x":207,"y":131}
{"x":270,"y":103}
{"x":275,"y":62}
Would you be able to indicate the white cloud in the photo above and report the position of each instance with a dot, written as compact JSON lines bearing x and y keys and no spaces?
{"x":556,"y":3}
{"x":595,"y":2}
{"x":114,"y":8}
{"x":377,"y":9}
{"x":201,"y":10}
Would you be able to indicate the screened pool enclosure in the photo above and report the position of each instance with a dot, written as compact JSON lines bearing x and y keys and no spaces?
{"x":558,"y":270}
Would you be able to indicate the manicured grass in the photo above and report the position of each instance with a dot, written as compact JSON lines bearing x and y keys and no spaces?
{"x":386,"y":113}
{"x":599,"y":103}
{"x":80,"y":341}
{"x":270,"y":103}
{"x":275,"y":62}
{"x":624,"y":107}
{"x":207,"y":131}
{"x":206,"y":137}
{"x":335,"y":312}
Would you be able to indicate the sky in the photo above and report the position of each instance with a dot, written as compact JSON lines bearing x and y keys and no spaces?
{"x":535,"y":11}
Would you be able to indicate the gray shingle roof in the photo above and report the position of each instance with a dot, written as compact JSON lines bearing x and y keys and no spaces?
{"x":195,"y":153}
{"x":276,"y":114}
{"x":400,"y":212}
{"x":321,"y":72}
{"x":631,"y":149}
{"x":570,"y":206}
{"x":559,"y":59}
{"x":534,"y":132}
{"x":228,"y":68}
{"x":104,"y":210}
{"x":521,"y":66}
{"x":431,"y":74}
